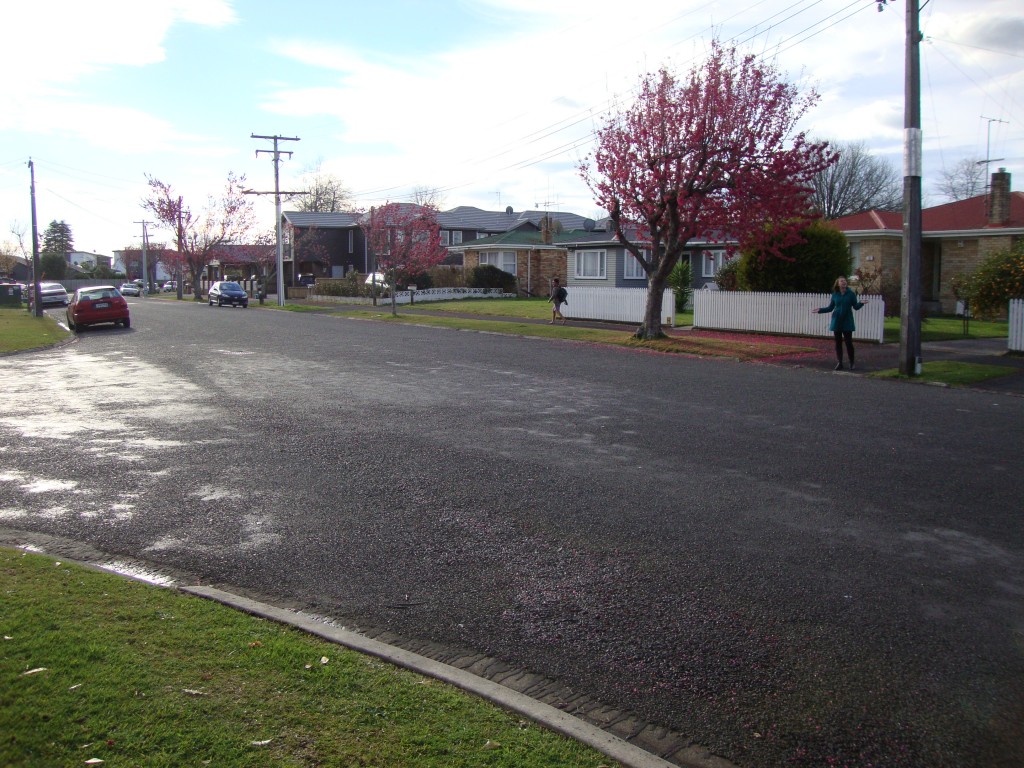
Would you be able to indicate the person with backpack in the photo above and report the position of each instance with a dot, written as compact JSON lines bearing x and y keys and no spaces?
{"x":559,"y":296}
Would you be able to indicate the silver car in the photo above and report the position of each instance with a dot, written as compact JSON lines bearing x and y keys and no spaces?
{"x":53,"y":293}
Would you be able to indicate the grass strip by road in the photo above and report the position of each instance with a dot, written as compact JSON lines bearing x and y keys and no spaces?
{"x":705,"y":347}
{"x":97,"y":667}
{"x":949,"y":372}
{"x":20,"y":330}
{"x":949,"y":329}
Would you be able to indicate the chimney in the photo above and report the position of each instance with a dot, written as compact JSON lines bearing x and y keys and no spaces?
{"x":999,"y":199}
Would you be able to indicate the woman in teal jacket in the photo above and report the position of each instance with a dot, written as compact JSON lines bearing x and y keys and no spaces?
{"x":844,"y":301}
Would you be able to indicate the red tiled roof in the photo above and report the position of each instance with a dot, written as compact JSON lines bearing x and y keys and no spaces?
{"x":951,"y":217}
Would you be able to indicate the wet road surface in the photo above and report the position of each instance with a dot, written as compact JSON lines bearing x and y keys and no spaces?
{"x":786,"y":566}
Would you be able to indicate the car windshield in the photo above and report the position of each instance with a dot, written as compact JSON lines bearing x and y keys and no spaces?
{"x":230,"y":287}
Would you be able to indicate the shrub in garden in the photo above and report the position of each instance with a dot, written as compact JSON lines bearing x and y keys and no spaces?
{"x":875,"y":281}
{"x":999,"y":279}
{"x":807,"y":267}
{"x":489,"y":276}
{"x":681,"y":280}
{"x":727,"y":277}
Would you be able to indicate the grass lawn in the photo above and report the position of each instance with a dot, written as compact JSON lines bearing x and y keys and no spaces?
{"x":97,"y":667}
{"x":950,"y":372}
{"x":949,"y":328}
{"x":19,"y":330}
{"x":708,"y":347}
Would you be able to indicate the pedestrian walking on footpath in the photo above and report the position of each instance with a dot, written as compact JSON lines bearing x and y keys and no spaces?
{"x":844,"y":302}
{"x":558,"y":297}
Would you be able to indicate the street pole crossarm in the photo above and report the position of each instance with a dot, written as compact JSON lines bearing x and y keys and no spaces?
{"x":275,"y":138}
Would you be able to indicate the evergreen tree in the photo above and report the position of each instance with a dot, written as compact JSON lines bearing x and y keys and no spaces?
{"x":57,"y":239}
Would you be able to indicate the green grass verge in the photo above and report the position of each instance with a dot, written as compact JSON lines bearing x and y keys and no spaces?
{"x":740,"y":350}
{"x":19,"y":330}
{"x":99,"y":667}
{"x":950,"y":372}
{"x":949,"y":328}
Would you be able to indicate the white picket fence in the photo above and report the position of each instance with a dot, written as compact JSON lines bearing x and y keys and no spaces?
{"x":1016,"y":342}
{"x":785,"y":313}
{"x":624,"y":305}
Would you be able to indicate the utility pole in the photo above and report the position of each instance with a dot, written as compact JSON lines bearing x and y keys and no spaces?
{"x":36,"y":295}
{"x":179,"y":275}
{"x":910,"y":290}
{"x":145,"y":263}
{"x":277,"y":204}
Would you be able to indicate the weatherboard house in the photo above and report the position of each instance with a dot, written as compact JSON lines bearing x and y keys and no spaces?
{"x":955,"y":239}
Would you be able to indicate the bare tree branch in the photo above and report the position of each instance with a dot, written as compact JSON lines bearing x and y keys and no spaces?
{"x":857,"y":182}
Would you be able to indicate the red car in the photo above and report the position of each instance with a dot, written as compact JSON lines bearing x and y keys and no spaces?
{"x":97,"y":304}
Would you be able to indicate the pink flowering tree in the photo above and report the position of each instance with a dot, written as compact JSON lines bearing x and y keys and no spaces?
{"x":715,"y":154}
{"x":404,"y":239}
{"x":199,"y":234}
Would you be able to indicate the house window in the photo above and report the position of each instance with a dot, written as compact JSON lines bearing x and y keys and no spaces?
{"x":351,"y":241}
{"x":503,"y":260}
{"x":445,"y":237}
{"x":854,"y":257}
{"x":481,"y":235}
{"x":713,"y":261}
{"x":457,"y":237}
{"x":590,"y":265}
{"x":632,"y":269}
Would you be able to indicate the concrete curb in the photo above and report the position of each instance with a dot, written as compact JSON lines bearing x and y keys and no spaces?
{"x":548,"y":716}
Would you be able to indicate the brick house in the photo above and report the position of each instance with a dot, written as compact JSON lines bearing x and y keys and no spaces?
{"x":955,"y":239}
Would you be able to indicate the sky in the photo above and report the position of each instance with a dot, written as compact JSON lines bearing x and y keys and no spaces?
{"x":493,"y":103}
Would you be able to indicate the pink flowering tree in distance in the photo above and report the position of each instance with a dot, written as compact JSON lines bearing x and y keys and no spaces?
{"x":199,"y":234}
{"x":404,"y":239}
{"x":714,"y":153}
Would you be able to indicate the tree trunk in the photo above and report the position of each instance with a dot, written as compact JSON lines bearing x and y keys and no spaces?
{"x":656,"y":284}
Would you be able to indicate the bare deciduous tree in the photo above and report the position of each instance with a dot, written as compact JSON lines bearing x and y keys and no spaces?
{"x":323,"y":192}
{"x":857,"y":182}
{"x":965,"y":179}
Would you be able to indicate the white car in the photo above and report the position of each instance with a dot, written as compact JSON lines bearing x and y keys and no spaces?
{"x":130,"y":289}
{"x":53,"y":293}
{"x":378,"y":279}
{"x":170,"y":285}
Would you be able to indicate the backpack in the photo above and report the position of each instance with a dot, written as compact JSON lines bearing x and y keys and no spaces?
{"x":563,"y":295}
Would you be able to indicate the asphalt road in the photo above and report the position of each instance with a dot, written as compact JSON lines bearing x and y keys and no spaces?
{"x":787,"y":566}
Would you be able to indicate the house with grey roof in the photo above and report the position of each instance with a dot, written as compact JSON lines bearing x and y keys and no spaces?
{"x":332,"y":244}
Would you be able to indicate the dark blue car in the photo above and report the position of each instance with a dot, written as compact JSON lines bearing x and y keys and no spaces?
{"x":226,"y":292}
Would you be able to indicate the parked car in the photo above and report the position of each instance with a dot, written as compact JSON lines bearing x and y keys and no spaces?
{"x":377,"y":279}
{"x":97,"y":304}
{"x":130,"y":289}
{"x":53,"y":293}
{"x":306,"y":279}
{"x":228,"y":292}
{"x":170,"y":285}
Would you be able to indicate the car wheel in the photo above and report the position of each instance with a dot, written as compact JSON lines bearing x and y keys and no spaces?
{"x":127,"y":322}
{"x":220,"y":302}
{"x":71,"y":325}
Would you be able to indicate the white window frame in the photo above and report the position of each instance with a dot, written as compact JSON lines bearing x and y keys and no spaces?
{"x":631,"y":267}
{"x":456,"y":237}
{"x":500,"y":259}
{"x":444,"y":237}
{"x":602,"y":263}
{"x":711,"y":262}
